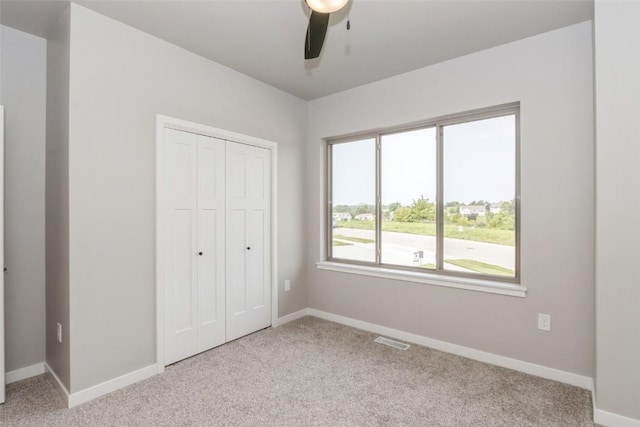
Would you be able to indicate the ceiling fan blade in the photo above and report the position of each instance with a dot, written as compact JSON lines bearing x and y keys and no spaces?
{"x":317,"y":29}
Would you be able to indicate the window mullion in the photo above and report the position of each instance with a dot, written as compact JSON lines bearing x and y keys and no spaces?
{"x":329,"y":198}
{"x":378,"y":217}
{"x":439,"y":199}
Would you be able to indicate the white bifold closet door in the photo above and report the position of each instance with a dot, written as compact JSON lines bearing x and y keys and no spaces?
{"x":217,"y":248}
{"x":248,"y":239}
{"x":194,"y":251}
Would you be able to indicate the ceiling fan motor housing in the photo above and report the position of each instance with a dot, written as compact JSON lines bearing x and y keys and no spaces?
{"x":326,"y":6}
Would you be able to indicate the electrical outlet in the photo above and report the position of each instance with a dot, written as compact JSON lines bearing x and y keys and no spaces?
{"x":544,"y":322}
{"x":59,"y":331}
{"x":287,"y":285}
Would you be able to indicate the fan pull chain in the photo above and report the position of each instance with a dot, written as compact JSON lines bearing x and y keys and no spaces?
{"x":348,"y":22}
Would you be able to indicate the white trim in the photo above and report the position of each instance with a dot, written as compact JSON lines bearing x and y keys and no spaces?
{"x":610,"y":419}
{"x":274,"y":232}
{"x":2,"y":322}
{"x":82,"y":396}
{"x":59,"y":384}
{"x":163,"y":122}
{"x":291,"y":317}
{"x":160,"y":201}
{"x":471,"y":284}
{"x":593,"y":399}
{"x":109,"y":386}
{"x":24,"y":373}
{"x":494,"y":359}
{"x":200,"y":129}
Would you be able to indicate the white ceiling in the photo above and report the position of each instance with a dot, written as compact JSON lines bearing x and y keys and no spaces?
{"x":265,"y":38}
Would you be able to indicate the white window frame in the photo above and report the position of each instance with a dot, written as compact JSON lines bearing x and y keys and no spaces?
{"x":439,"y":277}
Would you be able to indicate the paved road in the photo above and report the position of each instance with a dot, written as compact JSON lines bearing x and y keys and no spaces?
{"x":398,"y":248}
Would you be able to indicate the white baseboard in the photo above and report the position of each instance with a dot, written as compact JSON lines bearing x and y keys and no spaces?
{"x":494,"y":359}
{"x":82,"y":396}
{"x":291,"y":317}
{"x":593,"y":399}
{"x":611,"y":419}
{"x":58,"y":383}
{"x":109,"y":386}
{"x":24,"y":373}
{"x":600,"y":416}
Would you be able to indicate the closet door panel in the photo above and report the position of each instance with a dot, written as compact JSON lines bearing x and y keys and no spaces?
{"x":249,"y":239}
{"x":255,"y":267}
{"x":236,"y":177}
{"x":183,"y":293}
{"x":211,"y":242}
{"x":236,"y":254}
{"x":181,"y":332}
{"x":256,"y":179}
{"x":258,"y":224}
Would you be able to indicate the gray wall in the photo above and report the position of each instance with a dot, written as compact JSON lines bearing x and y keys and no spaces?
{"x":120,"y":79}
{"x":551,"y":76}
{"x":23,"y":81}
{"x":617,"y":36}
{"x":57,"y":198}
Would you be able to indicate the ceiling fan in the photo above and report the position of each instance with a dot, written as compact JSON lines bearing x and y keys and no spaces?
{"x":318,"y":23}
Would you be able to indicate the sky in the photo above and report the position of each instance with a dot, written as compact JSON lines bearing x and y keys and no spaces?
{"x":479,"y":163}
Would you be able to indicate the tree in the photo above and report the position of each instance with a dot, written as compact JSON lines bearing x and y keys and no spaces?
{"x":393,"y":206}
{"x":457,"y":218}
{"x":502,"y":221}
{"x":508,"y":207}
{"x":421,"y":210}
{"x":363,"y":208}
{"x":402,"y":214}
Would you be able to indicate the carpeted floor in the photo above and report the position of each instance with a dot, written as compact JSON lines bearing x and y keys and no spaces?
{"x":314,"y":373}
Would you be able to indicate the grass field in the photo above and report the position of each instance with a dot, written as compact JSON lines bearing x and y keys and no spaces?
{"x":354,"y":239}
{"x":487,"y":235}
{"x":480,"y":267}
{"x":339,"y":243}
{"x":477,"y":266}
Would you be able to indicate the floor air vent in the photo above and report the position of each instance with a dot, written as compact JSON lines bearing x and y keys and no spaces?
{"x":392,"y":343}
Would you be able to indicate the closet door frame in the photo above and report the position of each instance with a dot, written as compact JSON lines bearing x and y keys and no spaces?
{"x":166,"y":122}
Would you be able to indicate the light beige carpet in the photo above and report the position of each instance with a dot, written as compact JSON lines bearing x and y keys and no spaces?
{"x":314,"y":373}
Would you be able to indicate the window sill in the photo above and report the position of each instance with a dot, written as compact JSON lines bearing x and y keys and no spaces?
{"x":478,"y":285}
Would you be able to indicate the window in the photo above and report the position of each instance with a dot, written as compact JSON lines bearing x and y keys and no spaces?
{"x":437,"y":198}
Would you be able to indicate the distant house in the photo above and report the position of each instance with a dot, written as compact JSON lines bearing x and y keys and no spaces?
{"x":365,"y":217}
{"x":473,"y":210}
{"x":495,"y":208}
{"x":342,"y":216}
